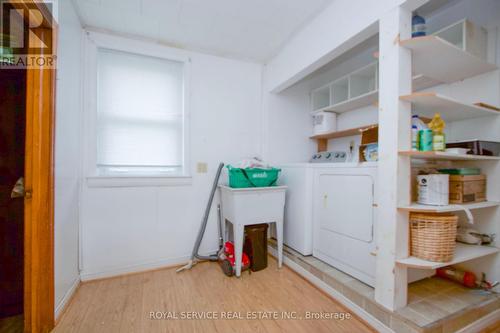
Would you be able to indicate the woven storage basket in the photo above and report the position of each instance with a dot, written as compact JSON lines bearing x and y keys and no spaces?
{"x":433,"y":236}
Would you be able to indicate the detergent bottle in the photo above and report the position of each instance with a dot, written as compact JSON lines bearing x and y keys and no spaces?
{"x":437,"y":126}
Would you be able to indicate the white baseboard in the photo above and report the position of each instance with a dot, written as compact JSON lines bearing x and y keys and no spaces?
{"x":136,"y":268}
{"x":360,"y":312}
{"x":67,"y":297}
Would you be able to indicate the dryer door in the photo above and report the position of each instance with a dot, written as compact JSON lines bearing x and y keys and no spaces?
{"x":347,"y":205}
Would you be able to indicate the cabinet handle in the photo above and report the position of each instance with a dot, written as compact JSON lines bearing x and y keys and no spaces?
{"x":28,"y":194}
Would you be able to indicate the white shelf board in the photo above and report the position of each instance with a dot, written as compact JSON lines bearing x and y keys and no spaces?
{"x":421,"y":82}
{"x":354,"y":103}
{"x":440,"y":60}
{"x":415,"y":207}
{"x":437,"y":155}
{"x":463,"y":252}
{"x":428,"y":103}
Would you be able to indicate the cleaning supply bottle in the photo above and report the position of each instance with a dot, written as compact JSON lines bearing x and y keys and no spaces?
{"x":437,"y":126}
{"x":417,"y":122}
{"x":418,"y":27}
{"x":414,"y":138}
{"x":422,"y":136}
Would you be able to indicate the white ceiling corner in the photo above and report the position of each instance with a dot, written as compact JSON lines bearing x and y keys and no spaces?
{"x":252,"y":30}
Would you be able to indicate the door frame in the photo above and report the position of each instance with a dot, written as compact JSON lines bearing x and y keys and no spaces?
{"x":39,"y":182}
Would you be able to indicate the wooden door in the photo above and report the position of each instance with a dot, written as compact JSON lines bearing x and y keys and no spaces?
{"x":39,"y":199}
{"x":12,"y":142}
{"x":38,"y":163}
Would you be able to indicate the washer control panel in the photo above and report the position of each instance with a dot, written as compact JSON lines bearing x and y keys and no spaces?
{"x":329,"y":157}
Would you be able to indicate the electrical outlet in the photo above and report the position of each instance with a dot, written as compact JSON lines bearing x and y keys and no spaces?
{"x":201,"y":167}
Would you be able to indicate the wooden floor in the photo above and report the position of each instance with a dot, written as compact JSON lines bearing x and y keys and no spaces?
{"x":124,"y":304}
{"x":495,"y":328}
{"x":12,"y":324}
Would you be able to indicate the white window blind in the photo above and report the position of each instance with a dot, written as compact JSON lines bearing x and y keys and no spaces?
{"x":140,"y":116}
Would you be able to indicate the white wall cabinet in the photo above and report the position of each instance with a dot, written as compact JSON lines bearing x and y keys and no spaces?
{"x":466,"y":36}
{"x":358,"y":89}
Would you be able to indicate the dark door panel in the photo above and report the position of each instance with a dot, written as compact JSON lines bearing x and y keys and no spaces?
{"x":12,"y":139}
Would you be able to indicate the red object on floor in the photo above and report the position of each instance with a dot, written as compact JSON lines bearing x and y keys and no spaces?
{"x":228,"y":260}
{"x":467,"y":279}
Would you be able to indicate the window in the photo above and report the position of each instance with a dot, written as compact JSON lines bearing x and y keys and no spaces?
{"x":140,"y":123}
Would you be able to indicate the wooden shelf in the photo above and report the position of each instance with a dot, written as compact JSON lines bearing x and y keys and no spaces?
{"x":415,"y":207}
{"x":435,"y":58}
{"x":463,"y":252}
{"x":437,"y":155}
{"x":367,"y":99}
{"x":343,"y":133}
{"x":428,"y":103}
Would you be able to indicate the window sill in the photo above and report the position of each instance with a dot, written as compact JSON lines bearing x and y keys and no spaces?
{"x":138,"y":181}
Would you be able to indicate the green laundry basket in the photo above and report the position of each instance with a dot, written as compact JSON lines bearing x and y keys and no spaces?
{"x":252,"y":177}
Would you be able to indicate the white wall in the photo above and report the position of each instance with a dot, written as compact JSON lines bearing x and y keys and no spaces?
{"x":67,"y":153}
{"x":338,"y":28}
{"x":130,"y":228}
{"x":288,"y":122}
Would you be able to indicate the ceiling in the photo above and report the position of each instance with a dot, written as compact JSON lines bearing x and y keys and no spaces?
{"x":252,"y":30}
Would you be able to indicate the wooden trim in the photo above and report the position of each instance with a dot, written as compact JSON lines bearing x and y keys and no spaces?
{"x":487,"y":106}
{"x":403,"y":42}
{"x":410,"y":97}
{"x":344,"y":133}
{"x":322,"y":145}
{"x":147,"y":270}
{"x":39,"y":206}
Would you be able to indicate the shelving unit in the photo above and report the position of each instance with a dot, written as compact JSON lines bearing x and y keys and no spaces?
{"x":419,"y":80}
{"x":436,"y":155}
{"x":415,"y":207}
{"x":463,"y":252}
{"x":435,"y":58}
{"x":367,"y":99}
{"x":343,"y":133}
{"x":353,"y":91}
{"x":428,"y":103}
{"x":368,"y":131}
{"x":453,"y":55}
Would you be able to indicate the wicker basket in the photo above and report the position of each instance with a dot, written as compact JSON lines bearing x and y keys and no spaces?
{"x":433,"y":236}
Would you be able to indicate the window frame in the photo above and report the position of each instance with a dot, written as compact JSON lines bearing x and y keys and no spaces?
{"x":94,"y":41}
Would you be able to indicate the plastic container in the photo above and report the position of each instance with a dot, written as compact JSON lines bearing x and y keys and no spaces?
{"x":437,"y":126}
{"x":324,"y":122}
{"x":425,"y":140}
{"x":433,"y":189}
{"x":418,"y":27}
{"x":255,"y":246}
{"x":252,"y":177}
{"x":414,"y":138}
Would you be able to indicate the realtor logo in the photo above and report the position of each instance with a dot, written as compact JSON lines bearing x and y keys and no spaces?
{"x":26,"y":35}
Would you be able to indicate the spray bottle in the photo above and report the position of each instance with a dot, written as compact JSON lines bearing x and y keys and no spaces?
{"x":437,"y":126}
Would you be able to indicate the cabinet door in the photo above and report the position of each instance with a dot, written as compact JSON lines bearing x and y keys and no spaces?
{"x":346,"y":205}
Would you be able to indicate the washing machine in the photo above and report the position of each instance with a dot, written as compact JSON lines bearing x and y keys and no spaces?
{"x":298,"y":219}
{"x":344,"y":218}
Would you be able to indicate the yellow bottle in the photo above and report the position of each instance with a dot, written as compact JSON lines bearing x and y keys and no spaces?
{"x":437,"y":126}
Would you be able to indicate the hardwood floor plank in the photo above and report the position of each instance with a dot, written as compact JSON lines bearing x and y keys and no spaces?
{"x":124,"y":304}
